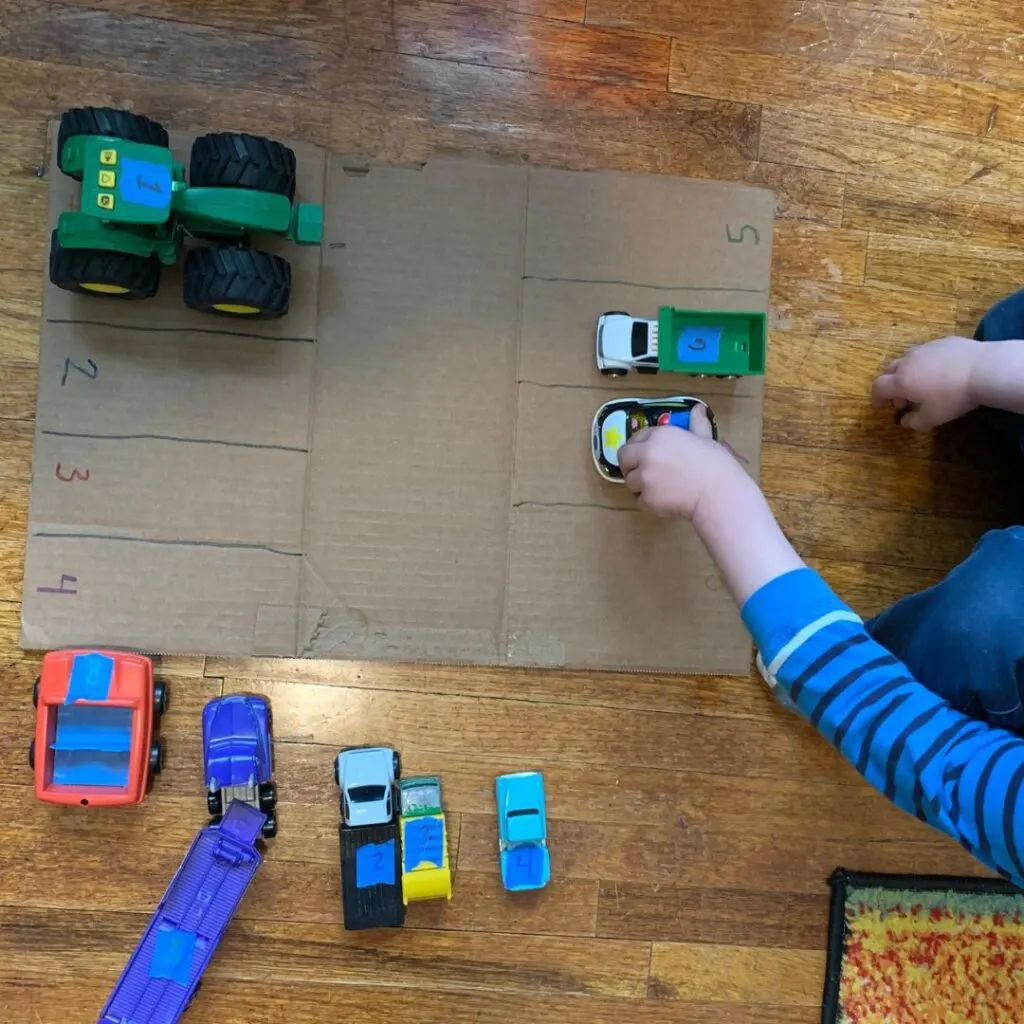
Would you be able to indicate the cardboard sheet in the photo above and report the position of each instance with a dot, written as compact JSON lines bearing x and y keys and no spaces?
{"x":401,"y":467}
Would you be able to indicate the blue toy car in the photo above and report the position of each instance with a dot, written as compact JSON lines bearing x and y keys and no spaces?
{"x":238,"y":756}
{"x":522,"y":831}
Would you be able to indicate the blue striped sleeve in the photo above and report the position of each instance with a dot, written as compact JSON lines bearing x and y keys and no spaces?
{"x":960,"y":775}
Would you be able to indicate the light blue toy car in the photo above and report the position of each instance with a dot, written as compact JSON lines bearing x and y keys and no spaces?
{"x":522,"y":831}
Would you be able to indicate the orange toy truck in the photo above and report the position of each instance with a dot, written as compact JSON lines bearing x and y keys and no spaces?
{"x":95,"y":714}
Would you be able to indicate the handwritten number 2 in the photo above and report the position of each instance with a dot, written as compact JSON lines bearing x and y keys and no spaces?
{"x":743,"y":231}
{"x":378,"y":859}
{"x":91,"y":372}
{"x":73,"y":475}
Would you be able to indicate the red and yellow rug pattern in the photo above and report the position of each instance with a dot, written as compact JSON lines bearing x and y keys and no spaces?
{"x":920,"y":950}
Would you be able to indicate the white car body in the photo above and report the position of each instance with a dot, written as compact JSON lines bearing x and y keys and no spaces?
{"x":366,"y":776}
{"x":626,"y":343}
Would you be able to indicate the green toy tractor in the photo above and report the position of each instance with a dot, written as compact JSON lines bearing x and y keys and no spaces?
{"x":137,"y":209}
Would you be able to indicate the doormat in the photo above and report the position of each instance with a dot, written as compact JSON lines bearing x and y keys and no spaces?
{"x":924,"y":949}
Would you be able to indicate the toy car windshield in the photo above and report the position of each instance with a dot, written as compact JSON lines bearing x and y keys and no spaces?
{"x":366,"y":794}
{"x":617,"y":421}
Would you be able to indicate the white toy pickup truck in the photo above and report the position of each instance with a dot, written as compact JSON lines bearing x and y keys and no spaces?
{"x":626,"y":343}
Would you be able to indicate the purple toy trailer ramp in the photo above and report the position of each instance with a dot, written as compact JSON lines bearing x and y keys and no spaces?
{"x":163,"y":973}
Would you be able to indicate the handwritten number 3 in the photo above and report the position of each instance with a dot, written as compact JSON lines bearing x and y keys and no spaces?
{"x":92,"y":371}
{"x":74,"y":475}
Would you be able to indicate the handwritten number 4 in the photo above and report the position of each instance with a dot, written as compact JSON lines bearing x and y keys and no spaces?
{"x":91,"y":372}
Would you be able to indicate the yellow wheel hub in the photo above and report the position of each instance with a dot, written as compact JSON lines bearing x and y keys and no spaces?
{"x":105,"y":289}
{"x":233,"y":307}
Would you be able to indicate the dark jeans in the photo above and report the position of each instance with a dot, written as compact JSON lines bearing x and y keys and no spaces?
{"x":964,"y":637}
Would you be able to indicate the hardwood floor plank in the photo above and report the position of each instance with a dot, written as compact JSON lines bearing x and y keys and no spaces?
{"x":701,"y":858}
{"x":303,"y":19}
{"x":835,"y":802}
{"x":800,"y":192}
{"x":971,"y":215}
{"x":516,"y":42}
{"x":892,"y":482}
{"x":57,"y":1002}
{"x":819,"y":529}
{"x":326,"y":955}
{"x":635,"y":691}
{"x":14,"y":520}
{"x":520,"y":734}
{"x":835,"y":339}
{"x":67,"y":34}
{"x":897,"y":152}
{"x":946,"y":267}
{"x":811,"y":252}
{"x":400,"y":109}
{"x":736,"y":974}
{"x":930,"y":39}
{"x":867,"y":587}
{"x":803,"y":82}
{"x":731,"y":917}
{"x":45,"y":88}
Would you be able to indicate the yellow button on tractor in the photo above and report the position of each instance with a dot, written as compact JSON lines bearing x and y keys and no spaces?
{"x":105,"y":200}
{"x":108,"y":179}
{"x":108,"y":157}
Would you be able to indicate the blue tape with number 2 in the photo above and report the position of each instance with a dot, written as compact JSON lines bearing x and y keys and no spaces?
{"x":375,"y":864}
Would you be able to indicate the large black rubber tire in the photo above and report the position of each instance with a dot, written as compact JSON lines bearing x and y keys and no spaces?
{"x":215,"y":803}
{"x":117,"y":124}
{"x":156,"y":757}
{"x":236,"y":160}
{"x":72,"y":269}
{"x":32,"y":755}
{"x":221,"y":275}
{"x":35,"y":693}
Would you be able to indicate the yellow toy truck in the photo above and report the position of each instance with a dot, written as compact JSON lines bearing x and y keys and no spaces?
{"x":426,"y":874}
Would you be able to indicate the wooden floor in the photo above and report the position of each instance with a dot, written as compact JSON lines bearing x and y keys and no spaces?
{"x":693,"y":824}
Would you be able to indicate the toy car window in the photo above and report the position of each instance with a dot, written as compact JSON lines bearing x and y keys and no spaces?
{"x":639,"y":339}
{"x":520,"y":813}
{"x":420,"y":797}
{"x":366,"y":794}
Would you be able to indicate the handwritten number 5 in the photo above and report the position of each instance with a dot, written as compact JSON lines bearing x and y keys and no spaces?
{"x":74,"y":475}
{"x":91,"y":372}
{"x":743,"y":231}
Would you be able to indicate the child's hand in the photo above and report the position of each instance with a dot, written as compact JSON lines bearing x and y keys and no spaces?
{"x":930,"y":384}
{"x":670,"y":470}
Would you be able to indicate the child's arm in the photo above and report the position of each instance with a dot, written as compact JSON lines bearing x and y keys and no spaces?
{"x":960,"y":775}
{"x":942,"y":380}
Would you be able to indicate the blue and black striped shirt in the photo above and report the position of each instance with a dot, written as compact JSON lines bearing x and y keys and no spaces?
{"x":958,"y":774}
